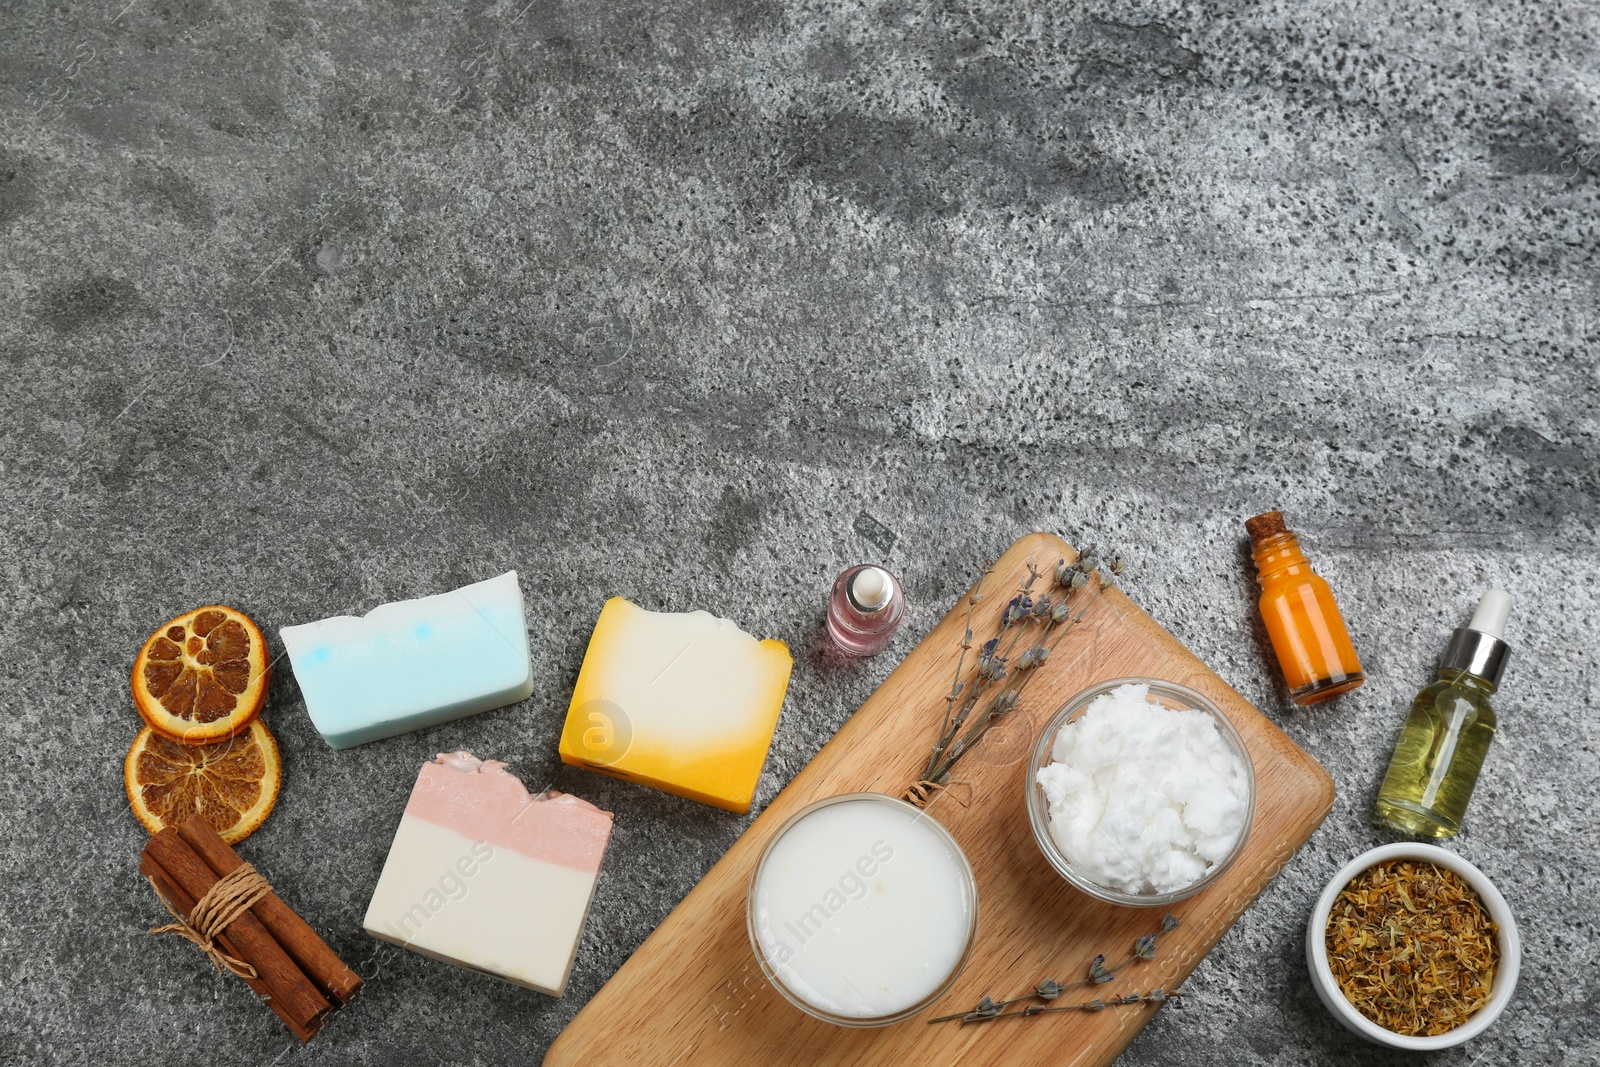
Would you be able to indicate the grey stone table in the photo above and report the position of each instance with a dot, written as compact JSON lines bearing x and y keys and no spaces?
{"x":312,"y":306}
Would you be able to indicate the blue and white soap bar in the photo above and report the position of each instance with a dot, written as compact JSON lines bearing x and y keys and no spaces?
{"x":413,"y":663}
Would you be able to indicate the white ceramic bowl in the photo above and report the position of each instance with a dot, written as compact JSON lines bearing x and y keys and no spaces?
{"x":1327,"y":987}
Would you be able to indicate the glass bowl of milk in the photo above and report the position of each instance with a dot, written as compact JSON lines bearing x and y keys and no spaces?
{"x":1140,"y":792}
{"x":862,"y":910}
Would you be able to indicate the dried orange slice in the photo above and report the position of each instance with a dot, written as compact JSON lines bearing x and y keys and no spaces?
{"x":233,"y":784}
{"x":203,"y":676}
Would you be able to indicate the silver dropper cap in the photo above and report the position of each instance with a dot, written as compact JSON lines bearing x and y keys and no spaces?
{"x":871,"y":589}
{"x":1479,"y":647}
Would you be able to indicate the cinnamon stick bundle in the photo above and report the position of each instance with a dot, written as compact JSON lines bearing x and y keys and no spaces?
{"x":296,"y":973}
{"x":185,"y":903}
{"x":333,"y":979}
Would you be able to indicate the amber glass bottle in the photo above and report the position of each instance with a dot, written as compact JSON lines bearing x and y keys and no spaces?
{"x":1308,"y":633}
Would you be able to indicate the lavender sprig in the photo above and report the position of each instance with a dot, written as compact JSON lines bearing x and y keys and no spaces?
{"x":1031,"y":626}
{"x":1144,"y":948}
{"x":1155,"y":996}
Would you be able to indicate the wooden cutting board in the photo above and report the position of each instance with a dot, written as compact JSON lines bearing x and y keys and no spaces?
{"x":693,"y":994}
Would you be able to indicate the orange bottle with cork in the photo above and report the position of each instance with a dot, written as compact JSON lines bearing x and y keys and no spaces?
{"x":1308,"y":633}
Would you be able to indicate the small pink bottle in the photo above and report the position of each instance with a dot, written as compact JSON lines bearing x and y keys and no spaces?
{"x":865,"y":609}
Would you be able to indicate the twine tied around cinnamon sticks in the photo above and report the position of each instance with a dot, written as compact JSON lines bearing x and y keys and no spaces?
{"x":232,"y":896}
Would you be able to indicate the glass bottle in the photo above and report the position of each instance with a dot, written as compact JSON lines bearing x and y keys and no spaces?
{"x":865,"y":609}
{"x":1307,"y":632}
{"x":1446,"y":736}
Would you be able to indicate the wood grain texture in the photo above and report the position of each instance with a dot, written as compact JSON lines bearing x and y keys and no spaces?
{"x":694,"y":993}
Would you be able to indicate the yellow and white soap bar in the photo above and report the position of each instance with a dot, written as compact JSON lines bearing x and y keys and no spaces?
{"x":683,"y":702}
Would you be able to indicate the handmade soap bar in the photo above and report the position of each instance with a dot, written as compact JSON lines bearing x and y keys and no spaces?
{"x":482,"y":875}
{"x":413,"y":663}
{"x":683,"y":702}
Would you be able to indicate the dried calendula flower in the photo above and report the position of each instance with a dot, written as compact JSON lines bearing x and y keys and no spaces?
{"x":1412,"y":948}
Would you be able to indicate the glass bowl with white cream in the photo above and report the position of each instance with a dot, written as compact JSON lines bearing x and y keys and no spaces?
{"x":1140,"y":792}
{"x":862,"y":910}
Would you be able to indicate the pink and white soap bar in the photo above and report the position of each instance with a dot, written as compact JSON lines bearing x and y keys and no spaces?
{"x":482,"y":875}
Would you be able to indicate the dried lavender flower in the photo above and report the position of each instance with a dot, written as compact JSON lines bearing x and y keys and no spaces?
{"x":1155,"y":997}
{"x":1049,"y":989}
{"x":1017,"y":609}
{"x":1052,"y":614}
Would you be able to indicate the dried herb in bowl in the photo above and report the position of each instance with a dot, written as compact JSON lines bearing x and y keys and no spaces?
{"x":1412,"y":947}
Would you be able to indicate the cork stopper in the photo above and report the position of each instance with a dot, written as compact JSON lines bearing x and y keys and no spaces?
{"x":1265,"y":525}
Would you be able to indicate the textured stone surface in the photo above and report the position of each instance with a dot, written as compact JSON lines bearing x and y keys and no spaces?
{"x":309,"y":307}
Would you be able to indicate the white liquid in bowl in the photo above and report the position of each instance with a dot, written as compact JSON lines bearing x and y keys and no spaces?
{"x":863,"y":908}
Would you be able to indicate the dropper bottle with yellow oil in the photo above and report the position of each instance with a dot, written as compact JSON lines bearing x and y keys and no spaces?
{"x":1447,"y":734}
